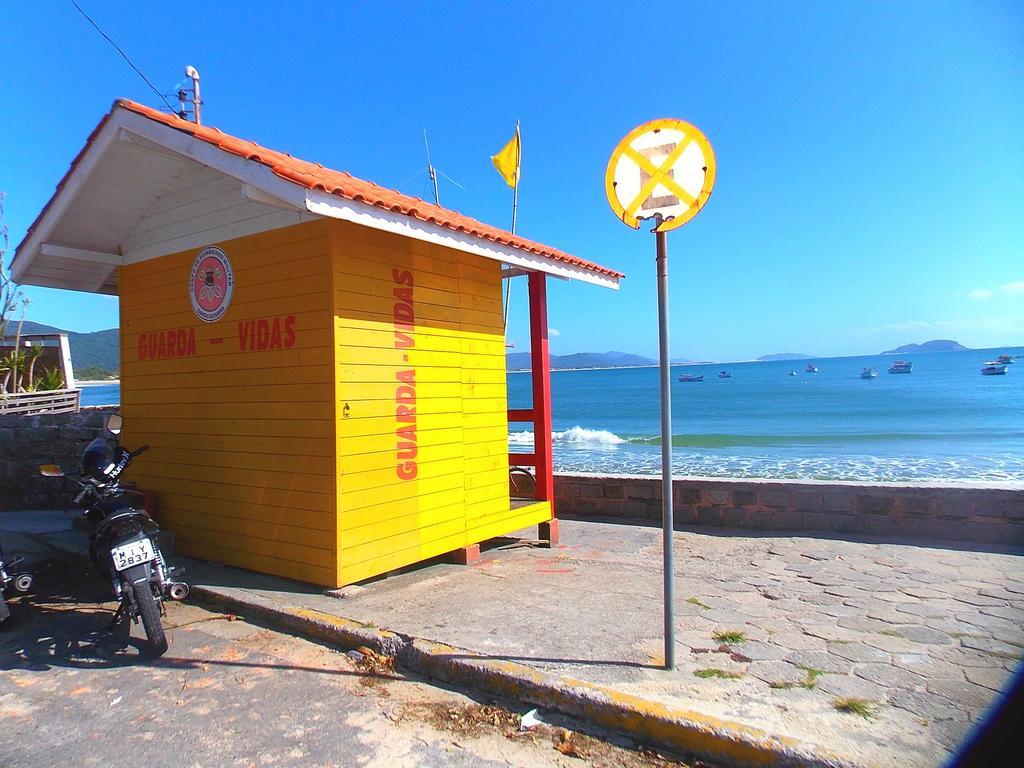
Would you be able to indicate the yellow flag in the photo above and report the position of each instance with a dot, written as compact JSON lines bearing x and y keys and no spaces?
{"x":507,"y":161}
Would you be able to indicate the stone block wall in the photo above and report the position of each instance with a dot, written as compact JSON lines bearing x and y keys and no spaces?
{"x":28,"y":441}
{"x":979,"y":513}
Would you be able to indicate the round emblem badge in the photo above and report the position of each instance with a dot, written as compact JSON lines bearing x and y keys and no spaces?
{"x":210,"y":285}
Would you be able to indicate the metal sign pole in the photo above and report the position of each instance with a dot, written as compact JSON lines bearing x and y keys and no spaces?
{"x":662,"y":171}
{"x":666,"y":447}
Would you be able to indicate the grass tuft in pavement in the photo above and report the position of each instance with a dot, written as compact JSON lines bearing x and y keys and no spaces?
{"x":721,"y":674}
{"x":855,"y":706}
{"x":730,"y":637}
{"x":810,"y":680}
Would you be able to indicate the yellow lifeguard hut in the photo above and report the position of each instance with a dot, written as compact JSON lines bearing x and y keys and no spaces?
{"x":317,"y":363}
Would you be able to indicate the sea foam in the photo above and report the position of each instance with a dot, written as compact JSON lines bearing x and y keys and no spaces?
{"x":573,"y":436}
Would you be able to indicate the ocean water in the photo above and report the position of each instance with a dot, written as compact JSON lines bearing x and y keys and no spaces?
{"x":100,"y":394}
{"x":943,"y":421}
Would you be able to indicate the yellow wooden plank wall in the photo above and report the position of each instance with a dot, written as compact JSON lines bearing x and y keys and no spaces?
{"x":242,"y":441}
{"x":453,"y":356}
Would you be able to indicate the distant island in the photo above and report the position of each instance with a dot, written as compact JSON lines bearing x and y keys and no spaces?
{"x":784,"y":356}
{"x":520,"y":361}
{"x":935,"y":345}
{"x":95,"y":355}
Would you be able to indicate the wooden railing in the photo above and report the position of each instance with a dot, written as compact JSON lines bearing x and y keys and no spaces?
{"x":52,"y":401}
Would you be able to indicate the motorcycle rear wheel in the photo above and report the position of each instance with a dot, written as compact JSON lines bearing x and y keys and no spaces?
{"x":149,"y":612}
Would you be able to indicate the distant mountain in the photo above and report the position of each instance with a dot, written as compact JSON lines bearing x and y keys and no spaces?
{"x":101,"y":350}
{"x":785,"y":356}
{"x":98,"y":350}
{"x":936,"y":345}
{"x":521,"y":360}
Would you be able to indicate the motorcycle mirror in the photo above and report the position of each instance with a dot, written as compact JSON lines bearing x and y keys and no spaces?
{"x":51,"y":470}
{"x":114,"y":422}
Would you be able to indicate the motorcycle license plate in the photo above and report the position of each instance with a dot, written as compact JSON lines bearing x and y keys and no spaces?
{"x":132,"y":554}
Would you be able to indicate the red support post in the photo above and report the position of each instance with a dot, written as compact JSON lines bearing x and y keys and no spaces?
{"x":520,"y":414}
{"x":541,"y":367}
{"x":465,"y":555}
{"x":522,"y":460}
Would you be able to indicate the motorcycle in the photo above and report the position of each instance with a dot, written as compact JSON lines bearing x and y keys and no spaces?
{"x":22,"y":582}
{"x":122,"y":544}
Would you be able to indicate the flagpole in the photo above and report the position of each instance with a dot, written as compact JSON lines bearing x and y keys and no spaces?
{"x":515,"y":205}
{"x":515,"y":188}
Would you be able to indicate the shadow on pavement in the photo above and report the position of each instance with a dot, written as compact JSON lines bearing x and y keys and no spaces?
{"x":65,"y":621}
{"x":998,"y":734}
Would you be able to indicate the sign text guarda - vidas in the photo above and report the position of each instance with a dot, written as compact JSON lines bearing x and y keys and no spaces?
{"x":405,"y":378}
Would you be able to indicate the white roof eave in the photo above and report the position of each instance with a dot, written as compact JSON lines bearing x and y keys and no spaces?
{"x":262,"y":184}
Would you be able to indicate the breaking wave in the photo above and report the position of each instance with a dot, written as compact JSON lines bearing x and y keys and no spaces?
{"x":573,"y":436}
{"x":805,"y":457}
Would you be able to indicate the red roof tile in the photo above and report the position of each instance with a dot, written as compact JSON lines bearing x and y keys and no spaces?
{"x":317,"y":177}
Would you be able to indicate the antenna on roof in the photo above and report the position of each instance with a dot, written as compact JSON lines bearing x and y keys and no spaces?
{"x":431,"y":171}
{"x":192,"y":74}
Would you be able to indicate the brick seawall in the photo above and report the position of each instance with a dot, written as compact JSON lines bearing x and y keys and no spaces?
{"x":987,"y":513}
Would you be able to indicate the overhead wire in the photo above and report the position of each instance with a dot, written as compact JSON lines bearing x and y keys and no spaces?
{"x":123,"y":54}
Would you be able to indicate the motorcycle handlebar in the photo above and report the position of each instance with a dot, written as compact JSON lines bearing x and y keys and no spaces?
{"x":88,"y":486}
{"x":138,"y":452}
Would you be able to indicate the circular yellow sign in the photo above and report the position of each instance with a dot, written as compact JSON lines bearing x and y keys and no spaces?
{"x":662,"y":170}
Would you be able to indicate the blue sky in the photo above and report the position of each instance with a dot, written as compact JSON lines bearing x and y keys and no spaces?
{"x":870,"y":184}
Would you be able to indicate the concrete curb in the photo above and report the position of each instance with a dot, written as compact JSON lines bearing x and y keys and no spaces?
{"x":648,"y":722}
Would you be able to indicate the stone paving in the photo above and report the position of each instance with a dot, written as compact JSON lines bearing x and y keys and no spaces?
{"x":871,"y":651}
{"x":931,"y":632}
{"x":915,"y":640}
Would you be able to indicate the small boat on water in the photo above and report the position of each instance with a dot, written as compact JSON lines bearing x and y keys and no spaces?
{"x":811,"y":368}
{"x":792,"y":373}
{"x":691,"y":377}
{"x":1004,"y":360}
{"x":901,"y":366}
{"x":724,"y":375}
{"x":869,"y":373}
{"x":993,"y":368}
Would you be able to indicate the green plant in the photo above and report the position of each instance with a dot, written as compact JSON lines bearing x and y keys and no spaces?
{"x":721,"y":674}
{"x":810,"y":680}
{"x":32,"y":354}
{"x":50,"y":379}
{"x":13,"y":364}
{"x":855,"y":706}
{"x":811,"y":676}
{"x":698,"y":603}
{"x":730,"y":637}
